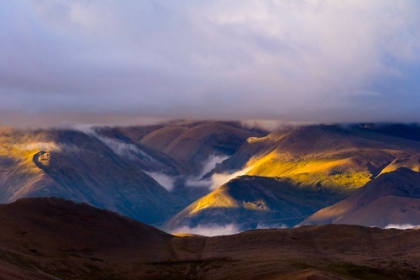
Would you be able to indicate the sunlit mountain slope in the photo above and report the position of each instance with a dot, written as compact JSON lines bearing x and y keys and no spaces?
{"x":391,"y":198}
{"x":254,"y":202}
{"x":328,"y":156}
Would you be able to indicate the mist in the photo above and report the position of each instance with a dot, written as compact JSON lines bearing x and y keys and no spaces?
{"x":208,"y":230}
{"x":216,"y":179}
{"x":211,"y":163}
{"x":46,"y":146}
{"x":401,"y":226}
{"x":292,"y":61}
{"x":271,"y":226}
{"x":127,"y":150}
{"x":164,"y":180}
{"x":207,"y":165}
{"x":42,"y":146}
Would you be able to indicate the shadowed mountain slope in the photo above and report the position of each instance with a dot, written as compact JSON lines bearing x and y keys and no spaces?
{"x":44,"y":236}
{"x":255,"y":202}
{"x":56,"y":224}
{"x":194,"y":142}
{"x":84,"y":167}
{"x":391,"y":198}
{"x":50,"y":238}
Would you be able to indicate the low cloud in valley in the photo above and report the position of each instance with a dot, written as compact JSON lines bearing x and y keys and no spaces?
{"x":209,"y":230}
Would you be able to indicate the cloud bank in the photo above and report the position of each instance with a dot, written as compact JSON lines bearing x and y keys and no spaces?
{"x":305,"y":60}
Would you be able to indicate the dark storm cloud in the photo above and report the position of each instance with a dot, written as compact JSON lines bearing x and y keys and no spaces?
{"x":289,"y":60}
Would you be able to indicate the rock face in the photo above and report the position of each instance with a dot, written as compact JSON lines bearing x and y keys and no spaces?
{"x":51,"y":238}
{"x":391,"y":198}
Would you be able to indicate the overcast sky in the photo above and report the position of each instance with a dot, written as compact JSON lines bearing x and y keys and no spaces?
{"x":289,"y":60}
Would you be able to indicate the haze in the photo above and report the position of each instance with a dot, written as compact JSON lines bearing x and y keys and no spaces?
{"x":294,"y":61}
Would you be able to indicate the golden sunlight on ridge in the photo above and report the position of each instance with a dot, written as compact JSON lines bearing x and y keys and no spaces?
{"x":215,"y":199}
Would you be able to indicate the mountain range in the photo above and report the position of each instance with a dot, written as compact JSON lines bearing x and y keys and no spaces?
{"x":185,"y":174}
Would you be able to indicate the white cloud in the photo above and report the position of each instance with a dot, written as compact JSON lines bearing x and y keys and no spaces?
{"x":219,"y":179}
{"x":401,"y":226}
{"x":208,"y":165}
{"x":128,"y":150}
{"x":208,"y":230}
{"x":211,"y":163}
{"x":164,"y":180}
{"x":216,"y":179}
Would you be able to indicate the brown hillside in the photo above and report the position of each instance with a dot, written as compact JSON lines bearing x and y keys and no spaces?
{"x":194,"y":142}
{"x":401,"y":183}
{"x":49,"y":238}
